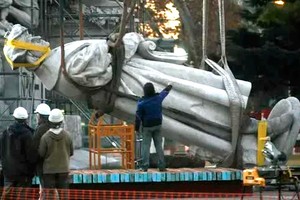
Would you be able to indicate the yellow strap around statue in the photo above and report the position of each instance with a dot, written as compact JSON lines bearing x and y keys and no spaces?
{"x":27,"y":46}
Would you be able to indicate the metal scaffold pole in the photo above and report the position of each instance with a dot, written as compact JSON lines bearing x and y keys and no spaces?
{"x":62,"y":42}
{"x":81,"y":25}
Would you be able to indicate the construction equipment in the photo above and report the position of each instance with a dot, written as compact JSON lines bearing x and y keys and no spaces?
{"x":276,"y":174}
{"x":98,"y":131}
{"x":251,"y":178}
{"x":261,"y":140}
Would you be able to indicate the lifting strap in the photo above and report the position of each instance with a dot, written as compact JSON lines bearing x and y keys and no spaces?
{"x":231,"y":87}
{"x":234,"y":93}
{"x":17,"y":44}
{"x":110,"y":90}
{"x":118,"y":56}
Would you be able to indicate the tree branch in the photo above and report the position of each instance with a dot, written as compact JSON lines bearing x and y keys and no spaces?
{"x":117,"y":39}
{"x":189,"y":27}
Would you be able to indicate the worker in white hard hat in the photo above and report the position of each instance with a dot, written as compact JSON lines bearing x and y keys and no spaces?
{"x":42,"y":112}
{"x":56,"y":148}
{"x":17,"y":155}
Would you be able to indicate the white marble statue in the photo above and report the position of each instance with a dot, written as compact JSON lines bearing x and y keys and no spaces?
{"x":197,"y":111}
{"x":25,"y":12}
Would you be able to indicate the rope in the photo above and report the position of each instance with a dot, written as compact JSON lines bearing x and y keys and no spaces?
{"x":204,"y":33}
{"x":222,"y":28}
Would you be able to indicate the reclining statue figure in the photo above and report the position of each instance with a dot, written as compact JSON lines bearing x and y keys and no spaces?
{"x":196,"y":113}
{"x":25,"y":12}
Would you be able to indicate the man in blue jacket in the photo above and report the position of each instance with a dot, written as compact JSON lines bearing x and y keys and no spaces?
{"x":149,"y":113}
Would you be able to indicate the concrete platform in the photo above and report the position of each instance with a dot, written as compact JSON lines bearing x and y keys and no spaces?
{"x":80,"y":160}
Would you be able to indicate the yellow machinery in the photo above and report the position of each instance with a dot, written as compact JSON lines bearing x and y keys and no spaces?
{"x":261,"y":135}
{"x":277,"y":176}
{"x":251,"y":178}
{"x":124,"y":146}
{"x":274,"y":174}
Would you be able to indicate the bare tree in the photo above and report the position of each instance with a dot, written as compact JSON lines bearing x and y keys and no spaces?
{"x":191,"y":18}
{"x":191,"y":30}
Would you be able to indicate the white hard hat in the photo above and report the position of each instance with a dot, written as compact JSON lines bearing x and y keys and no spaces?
{"x":43,"y":109}
{"x":20,"y":113}
{"x":56,"y":116}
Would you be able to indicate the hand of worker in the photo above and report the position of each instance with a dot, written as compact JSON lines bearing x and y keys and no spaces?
{"x":169,"y":87}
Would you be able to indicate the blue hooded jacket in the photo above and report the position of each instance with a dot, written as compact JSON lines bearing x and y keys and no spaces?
{"x":149,"y":109}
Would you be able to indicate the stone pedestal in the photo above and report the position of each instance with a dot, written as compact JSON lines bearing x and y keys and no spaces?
{"x":72,"y":124}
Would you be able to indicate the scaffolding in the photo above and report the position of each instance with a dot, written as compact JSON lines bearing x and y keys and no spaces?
{"x":59,"y":23}
{"x":19,"y":87}
{"x":79,"y":20}
{"x":124,"y":149}
{"x":62,"y":21}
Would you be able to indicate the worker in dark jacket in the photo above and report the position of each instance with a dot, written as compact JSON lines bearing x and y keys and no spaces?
{"x":17,"y":155}
{"x":42,"y":112}
{"x":56,"y":148}
{"x":149,"y":113}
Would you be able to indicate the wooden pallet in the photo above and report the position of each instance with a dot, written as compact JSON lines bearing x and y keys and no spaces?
{"x":153,"y":175}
